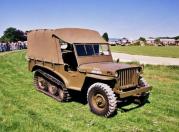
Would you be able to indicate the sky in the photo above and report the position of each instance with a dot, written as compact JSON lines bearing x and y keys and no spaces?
{"x":119,"y":18}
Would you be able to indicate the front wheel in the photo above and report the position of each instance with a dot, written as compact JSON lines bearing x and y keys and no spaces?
{"x":101,"y":99}
{"x":143,"y":98}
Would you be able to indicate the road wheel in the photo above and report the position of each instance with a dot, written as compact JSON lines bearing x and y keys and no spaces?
{"x":52,"y":89}
{"x":101,"y":99}
{"x":63,"y":93}
{"x":40,"y":82}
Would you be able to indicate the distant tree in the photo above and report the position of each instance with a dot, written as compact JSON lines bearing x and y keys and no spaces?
{"x":142,"y":39}
{"x":165,"y":37}
{"x":12,"y":35}
{"x":105,"y":36}
{"x":177,"y":37}
{"x":157,"y":41}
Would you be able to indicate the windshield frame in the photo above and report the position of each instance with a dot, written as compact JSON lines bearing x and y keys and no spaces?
{"x":94,"y":54}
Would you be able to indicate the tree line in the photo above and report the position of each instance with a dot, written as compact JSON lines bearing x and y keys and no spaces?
{"x":12,"y":34}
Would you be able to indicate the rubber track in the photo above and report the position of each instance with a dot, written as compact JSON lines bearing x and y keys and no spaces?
{"x":57,"y":82}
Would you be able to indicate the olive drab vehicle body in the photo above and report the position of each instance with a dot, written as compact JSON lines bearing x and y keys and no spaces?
{"x":80,"y":59}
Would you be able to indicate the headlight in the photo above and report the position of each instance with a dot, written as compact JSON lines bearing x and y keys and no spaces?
{"x":116,"y":74}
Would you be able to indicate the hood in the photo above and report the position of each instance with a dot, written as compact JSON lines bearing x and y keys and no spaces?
{"x":103,"y":68}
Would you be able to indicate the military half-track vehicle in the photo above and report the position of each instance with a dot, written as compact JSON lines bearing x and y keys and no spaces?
{"x":80,"y":59}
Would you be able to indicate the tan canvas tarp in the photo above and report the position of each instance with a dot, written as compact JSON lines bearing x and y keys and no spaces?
{"x":76,"y":35}
{"x":43,"y":46}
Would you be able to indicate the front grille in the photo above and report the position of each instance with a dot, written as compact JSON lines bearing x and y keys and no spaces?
{"x":128,"y":78}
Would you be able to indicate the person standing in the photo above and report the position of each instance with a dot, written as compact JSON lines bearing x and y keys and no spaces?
{"x":0,"y":47}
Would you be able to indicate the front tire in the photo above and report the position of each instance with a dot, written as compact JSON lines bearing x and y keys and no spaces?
{"x":143,"y":98}
{"x":101,"y":99}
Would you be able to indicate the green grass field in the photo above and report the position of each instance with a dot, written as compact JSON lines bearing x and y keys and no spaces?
{"x":22,"y":108}
{"x":166,"y":51}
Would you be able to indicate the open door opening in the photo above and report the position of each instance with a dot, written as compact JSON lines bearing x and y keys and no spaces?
{"x":68,"y":56}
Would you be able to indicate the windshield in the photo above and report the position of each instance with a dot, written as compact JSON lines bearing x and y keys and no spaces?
{"x":92,"y":49}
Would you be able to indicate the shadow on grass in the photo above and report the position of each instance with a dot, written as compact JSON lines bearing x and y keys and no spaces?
{"x":81,"y":98}
{"x":124,"y":105}
{"x":127,"y":104}
{"x":78,"y":97}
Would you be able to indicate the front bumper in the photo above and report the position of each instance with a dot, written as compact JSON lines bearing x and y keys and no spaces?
{"x":135,"y":91}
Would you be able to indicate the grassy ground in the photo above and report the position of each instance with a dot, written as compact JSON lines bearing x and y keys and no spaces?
{"x":167,"y":51}
{"x":22,"y":108}
{"x":7,"y":52}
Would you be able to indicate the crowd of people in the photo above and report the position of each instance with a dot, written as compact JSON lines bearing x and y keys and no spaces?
{"x":13,"y":46}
